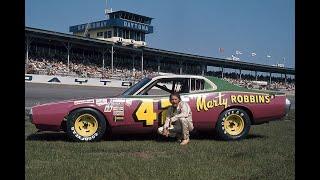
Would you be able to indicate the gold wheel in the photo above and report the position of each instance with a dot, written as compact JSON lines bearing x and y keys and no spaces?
{"x":234,"y":124}
{"x":86,"y":125}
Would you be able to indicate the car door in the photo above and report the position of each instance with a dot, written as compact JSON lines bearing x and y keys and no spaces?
{"x":201,"y":93}
{"x":146,"y":111}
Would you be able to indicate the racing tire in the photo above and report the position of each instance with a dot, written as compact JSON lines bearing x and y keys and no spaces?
{"x":233,"y":124}
{"x":86,"y":125}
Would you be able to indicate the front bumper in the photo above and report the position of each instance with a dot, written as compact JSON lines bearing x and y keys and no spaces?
{"x":30,"y":115}
{"x":288,"y":105}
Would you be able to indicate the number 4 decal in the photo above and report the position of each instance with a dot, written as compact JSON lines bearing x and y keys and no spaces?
{"x":165,"y":103}
{"x":145,"y":112}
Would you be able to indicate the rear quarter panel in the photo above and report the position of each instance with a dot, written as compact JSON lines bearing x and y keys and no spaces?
{"x":263,"y":106}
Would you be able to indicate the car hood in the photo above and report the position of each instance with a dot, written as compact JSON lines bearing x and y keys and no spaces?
{"x":52,"y":114}
{"x":75,"y":101}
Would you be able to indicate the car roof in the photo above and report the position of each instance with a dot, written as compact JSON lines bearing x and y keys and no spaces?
{"x":156,"y":77}
{"x":176,"y":76}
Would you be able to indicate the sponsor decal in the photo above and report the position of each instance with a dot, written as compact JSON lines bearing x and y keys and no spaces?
{"x":87,"y":101}
{"x":108,"y":107}
{"x":128,"y":102}
{"x":118,"y":118}
{"x":55,"y":79}
{"x":203,"y":104}
{"x":28,"y":78}
{"x":254,"y":99}
{"x":100,"y":102}
{"x":114,"y":105}
{"x":119,"y":100}
{"x":81,"y":81}
{"x":118,"y":109}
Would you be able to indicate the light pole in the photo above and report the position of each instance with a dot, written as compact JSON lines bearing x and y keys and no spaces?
{"x":268,"y":56}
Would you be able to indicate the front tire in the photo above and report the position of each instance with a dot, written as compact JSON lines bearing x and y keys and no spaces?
{"x":233,"y":124}
{"x":86,"y":125}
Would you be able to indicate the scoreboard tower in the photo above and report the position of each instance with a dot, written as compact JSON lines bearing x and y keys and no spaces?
{"x":122,"y":27}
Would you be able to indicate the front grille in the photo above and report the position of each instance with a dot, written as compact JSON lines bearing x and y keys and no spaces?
{"x":30,"y":115}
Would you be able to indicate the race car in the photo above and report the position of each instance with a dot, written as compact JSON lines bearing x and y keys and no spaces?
{"x":216,"y":105}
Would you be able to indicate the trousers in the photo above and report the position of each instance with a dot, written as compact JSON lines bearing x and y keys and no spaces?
{"x":180,"y":128}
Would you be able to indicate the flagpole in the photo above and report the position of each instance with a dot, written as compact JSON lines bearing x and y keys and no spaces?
{"x":267,"y":60}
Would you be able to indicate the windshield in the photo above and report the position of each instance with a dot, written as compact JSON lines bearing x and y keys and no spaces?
{"x":136,"y":87}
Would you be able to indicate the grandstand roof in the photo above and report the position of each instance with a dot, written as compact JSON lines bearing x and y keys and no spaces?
{"x":158,"y":53}
{"x":224,"y":62}
{"x":129,"y":13}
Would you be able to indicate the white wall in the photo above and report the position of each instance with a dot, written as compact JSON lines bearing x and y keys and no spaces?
{"x":34,"y":78}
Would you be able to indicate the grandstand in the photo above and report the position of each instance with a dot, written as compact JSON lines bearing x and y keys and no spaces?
{"x":105,"y":56}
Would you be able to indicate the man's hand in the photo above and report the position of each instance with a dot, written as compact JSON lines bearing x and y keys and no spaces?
{"x":173,"y":119}
{"x":165,"y":132}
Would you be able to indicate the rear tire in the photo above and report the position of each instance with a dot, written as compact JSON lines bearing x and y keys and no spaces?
{"x":86,"y":125}
{"x":233,"y":124}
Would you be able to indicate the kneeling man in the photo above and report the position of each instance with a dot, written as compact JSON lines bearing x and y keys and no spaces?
{"x":178,"y":121}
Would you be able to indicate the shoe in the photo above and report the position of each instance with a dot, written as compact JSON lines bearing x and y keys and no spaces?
{"x":165,"y":132}
{"x":185,"y":141}
{"x":179,"y":140}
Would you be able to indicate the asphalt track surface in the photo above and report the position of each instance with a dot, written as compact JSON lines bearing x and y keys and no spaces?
{"x":37,"y":93}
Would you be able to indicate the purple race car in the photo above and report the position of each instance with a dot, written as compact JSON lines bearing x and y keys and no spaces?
{"x":216,"y":105}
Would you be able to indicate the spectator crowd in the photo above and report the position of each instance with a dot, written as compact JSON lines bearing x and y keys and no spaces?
{"x":46,"y":67}
{"x":90,"y":70}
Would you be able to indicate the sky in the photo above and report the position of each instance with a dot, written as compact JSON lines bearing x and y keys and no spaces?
{"x":263,"y":27}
